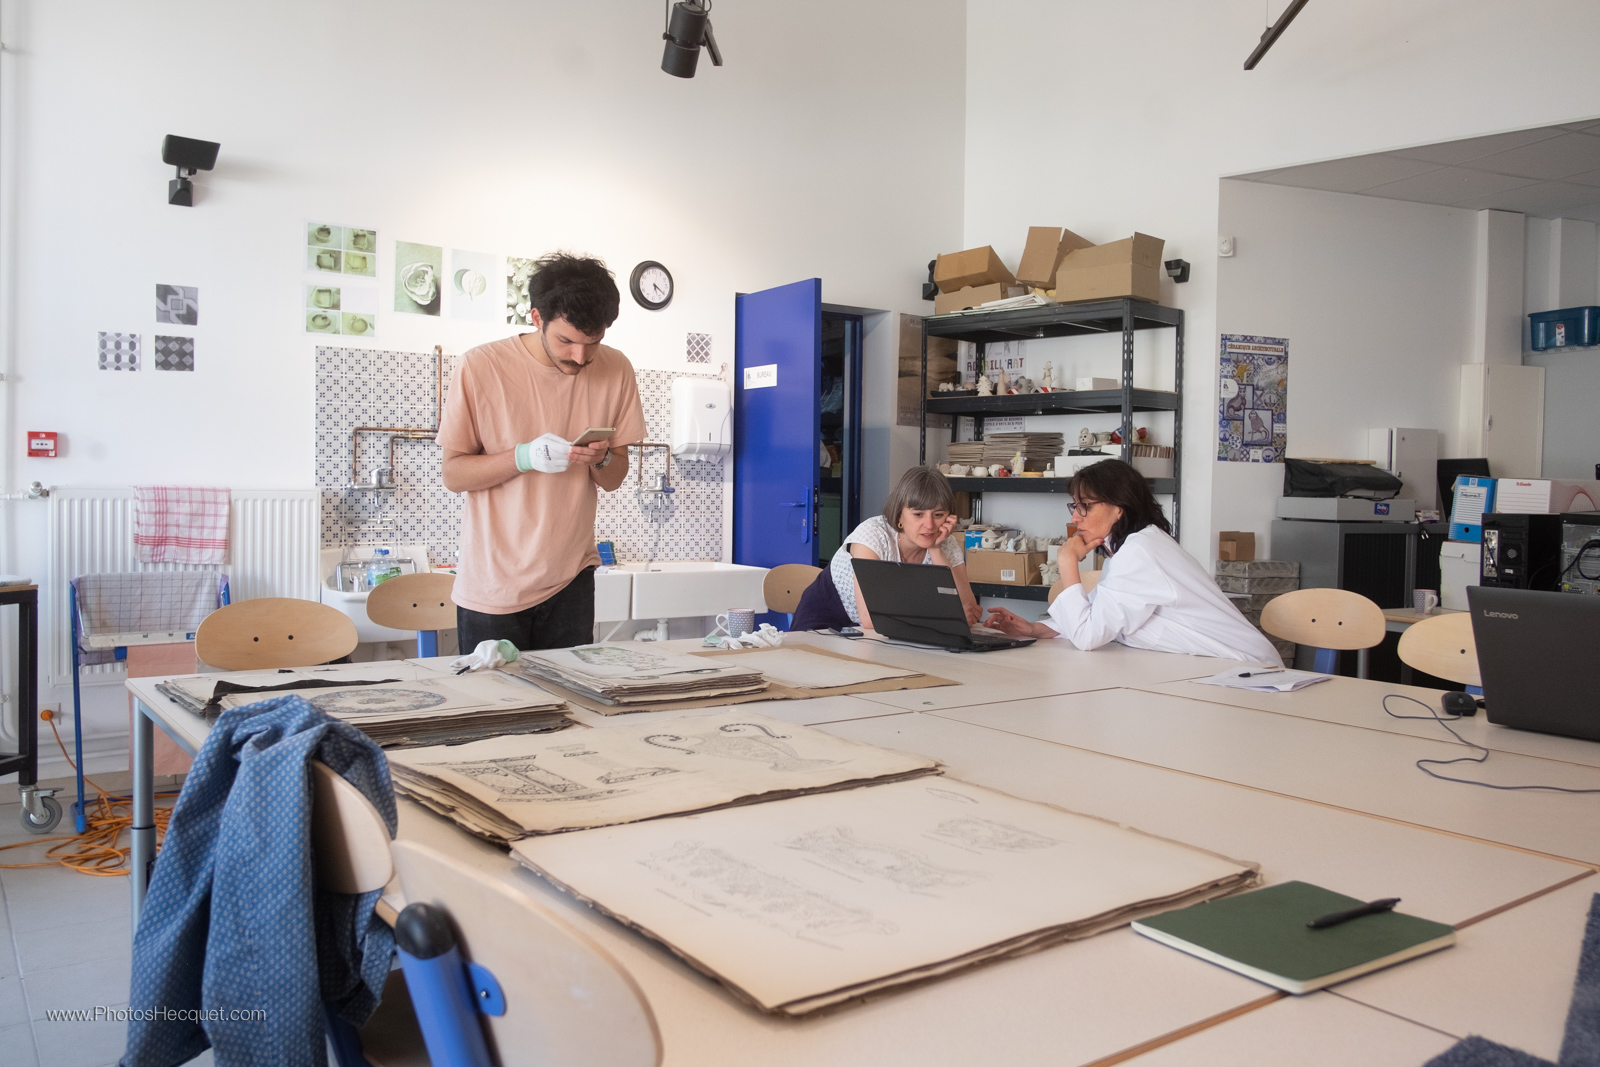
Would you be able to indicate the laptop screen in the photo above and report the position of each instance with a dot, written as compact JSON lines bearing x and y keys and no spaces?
{"x":913,"y":602}
{"x":1539,"y":655}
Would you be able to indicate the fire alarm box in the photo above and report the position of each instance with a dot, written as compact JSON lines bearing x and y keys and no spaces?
{"x":42,"y":443}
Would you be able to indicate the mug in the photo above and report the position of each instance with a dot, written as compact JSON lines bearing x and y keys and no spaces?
{"x":1424,"y":600}
{"x":737,"y":621}
{"x":324,"y":298}
{"x":355,"y":261}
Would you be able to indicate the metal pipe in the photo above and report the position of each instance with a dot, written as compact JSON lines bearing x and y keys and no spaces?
{"x":641,"y":446}
{"x":409,"y":432}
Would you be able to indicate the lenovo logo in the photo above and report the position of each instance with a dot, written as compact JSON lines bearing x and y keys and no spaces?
{"x":1500,"y":615}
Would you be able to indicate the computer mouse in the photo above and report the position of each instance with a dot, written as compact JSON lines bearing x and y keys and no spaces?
{"x":1463,"y":704}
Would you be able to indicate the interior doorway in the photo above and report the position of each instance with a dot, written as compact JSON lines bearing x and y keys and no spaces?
{"x":839,"y":453}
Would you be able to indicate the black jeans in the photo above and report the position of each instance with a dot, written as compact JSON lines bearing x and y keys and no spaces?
{"x":564,"y":620}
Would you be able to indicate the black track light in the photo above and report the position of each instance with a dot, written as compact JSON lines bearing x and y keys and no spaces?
{"x":688,"y":28}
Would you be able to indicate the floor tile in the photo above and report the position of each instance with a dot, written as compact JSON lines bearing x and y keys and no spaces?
{"x":82,"y":985}
{"x":13,"y":1005}
{"x":80,"y":1044}
{"x":48,"y":897}
{"x":42,"y":948}
{"x":18,"y":1043}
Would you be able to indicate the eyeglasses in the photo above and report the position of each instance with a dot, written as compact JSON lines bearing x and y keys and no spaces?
{"x":1082,"y":507}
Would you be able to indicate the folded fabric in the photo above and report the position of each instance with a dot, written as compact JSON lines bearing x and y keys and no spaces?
{"x":180,"y":524}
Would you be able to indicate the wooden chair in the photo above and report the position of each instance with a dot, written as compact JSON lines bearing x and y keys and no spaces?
{"x":784,"y":585}
{"x":536,"y":989}
{"x":419,"y":602}
{"x":1443,"y":646}
{"x":274,"y":632}
{"x":1089,"y":579}
{"x":1328,"y":620}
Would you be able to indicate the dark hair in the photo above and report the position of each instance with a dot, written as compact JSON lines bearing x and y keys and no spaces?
{"x":577,"y":288}
{"x":922,"y":488}
{"x":1115,"y":482}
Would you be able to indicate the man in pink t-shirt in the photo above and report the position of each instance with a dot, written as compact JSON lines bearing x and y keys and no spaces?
{"x":514,"y":408}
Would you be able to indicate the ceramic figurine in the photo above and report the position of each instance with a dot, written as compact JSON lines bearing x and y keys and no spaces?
{"x":1049,"y":574}
{"x":1018,"y":464}
{"x":1085,"y":438}
{"x":1004,"y":384}
{"x":980,"y":471}
{"x":1023,"y":385}
{"x":1047,"y":380}
{"x":985,"y":388}
{"x":959,"y":470}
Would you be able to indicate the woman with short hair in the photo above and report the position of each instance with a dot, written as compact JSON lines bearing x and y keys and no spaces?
{"x":917,"y":526}
{"x":1151,"y":594}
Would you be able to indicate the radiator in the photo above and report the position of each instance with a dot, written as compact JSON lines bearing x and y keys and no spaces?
{"x":274,"y":542}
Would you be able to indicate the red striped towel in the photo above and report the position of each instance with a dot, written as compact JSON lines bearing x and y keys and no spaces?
{"x":180,"y":524}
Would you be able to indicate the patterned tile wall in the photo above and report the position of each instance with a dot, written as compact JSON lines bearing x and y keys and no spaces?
{"x":369,"y":387}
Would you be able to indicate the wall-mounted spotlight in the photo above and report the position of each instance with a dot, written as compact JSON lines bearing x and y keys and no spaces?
{"x":688,"y":28}
{"x":187,"y":154}
{"x":1177,"y":269}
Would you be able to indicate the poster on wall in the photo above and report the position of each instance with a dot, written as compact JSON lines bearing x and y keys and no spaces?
{"x":471,"y":288}
{"x":341,"y":267}
{"x":518,"y":306}
{"x":1253,"y":399}
{"x":417,"y":273}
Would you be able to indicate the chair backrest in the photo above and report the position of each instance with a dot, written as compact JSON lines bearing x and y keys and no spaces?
{"x":783,"y":585}
{"x":568,"y":1002}
{"x":1443,"y":646}
{"x":349,"y":841}
{"x":414,"y":602}
{"x":1324,"y":618}
{"x":1089,"y":579}
{"x":274,"y":632}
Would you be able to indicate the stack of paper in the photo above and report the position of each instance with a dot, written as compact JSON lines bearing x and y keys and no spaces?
{"x":1263,"y":679}
{"x":628,"y":673}
{"x":1000,"y":447}
{"x":802,"y":668}
{"x":965,"y":452}
{"x":821,"y":900}
{"x":507,"y":788}
{"x":419,"y":707}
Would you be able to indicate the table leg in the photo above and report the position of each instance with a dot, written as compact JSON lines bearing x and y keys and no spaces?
{"x":144,"y":807}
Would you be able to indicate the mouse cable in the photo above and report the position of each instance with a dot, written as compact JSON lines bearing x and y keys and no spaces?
{"x":1422,"y":764}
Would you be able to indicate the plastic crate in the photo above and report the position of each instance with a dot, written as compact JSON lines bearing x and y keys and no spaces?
{"x":1564,"y":328}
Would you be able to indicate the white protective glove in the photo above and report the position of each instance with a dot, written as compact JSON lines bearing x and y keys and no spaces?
{"x":546,"y":453}
{"x":487,"y":654}
{"x":768,"y":636}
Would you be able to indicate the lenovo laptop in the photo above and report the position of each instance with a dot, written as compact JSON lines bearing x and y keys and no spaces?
{"x":918,"y":603}
{"x":1539,"y":654}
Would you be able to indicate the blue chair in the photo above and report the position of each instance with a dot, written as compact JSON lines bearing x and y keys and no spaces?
{"x":419,"y":602}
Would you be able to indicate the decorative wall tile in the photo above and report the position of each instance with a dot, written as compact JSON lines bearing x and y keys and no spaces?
{"x":366,"y":387}
{"x":174,"y":353}
{"x":119,"y":351}
{"x":178,"y":304}
{"x":698,"y":348}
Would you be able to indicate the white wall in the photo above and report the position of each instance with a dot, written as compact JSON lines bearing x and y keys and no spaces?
{"x":1110,"y":118}
{"x":826,"y":147}
{"x":1376,"y":297}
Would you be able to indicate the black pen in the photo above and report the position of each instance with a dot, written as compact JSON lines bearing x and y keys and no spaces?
{"x":1334,"y":918}
{"x":1252,"y":674}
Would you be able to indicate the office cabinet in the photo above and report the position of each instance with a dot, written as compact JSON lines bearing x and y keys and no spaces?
{"x":1502,"y":417}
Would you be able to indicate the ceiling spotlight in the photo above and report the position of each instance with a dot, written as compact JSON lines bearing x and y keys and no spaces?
{"x":187,"y":154}
{"x":688,"y":28}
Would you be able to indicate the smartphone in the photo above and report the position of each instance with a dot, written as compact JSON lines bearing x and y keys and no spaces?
{"x":595,"y":433}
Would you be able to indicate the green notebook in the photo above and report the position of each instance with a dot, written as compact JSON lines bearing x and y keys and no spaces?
{"x":1263,"y":934}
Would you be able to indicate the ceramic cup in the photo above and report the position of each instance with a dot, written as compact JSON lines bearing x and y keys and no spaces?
{"x":355,"y":261}
{"x":737,"y":621}
{"x":322,"y":233}
{"x":1424,"y":600}
{"x":327,"y":260}
{"x":980,"y":472}
{"x":323,"y":298}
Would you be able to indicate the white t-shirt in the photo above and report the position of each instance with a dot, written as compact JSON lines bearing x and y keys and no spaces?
{"x":1152,"y":594}
{"x":878,"y":535}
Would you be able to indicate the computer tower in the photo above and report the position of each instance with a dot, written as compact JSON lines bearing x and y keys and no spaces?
{"x":1580,"y":552}
{"x":1521,"y":551}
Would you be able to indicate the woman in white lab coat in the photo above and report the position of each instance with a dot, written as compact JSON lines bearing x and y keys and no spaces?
{"x":1152,"y":594}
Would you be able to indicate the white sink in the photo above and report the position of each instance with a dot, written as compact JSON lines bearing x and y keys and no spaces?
{"x":355,"y":604}
{"x":682,"y":588}
{"x":613,"y":594}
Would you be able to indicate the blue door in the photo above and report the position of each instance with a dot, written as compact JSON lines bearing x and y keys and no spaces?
{"x":777,"y":424}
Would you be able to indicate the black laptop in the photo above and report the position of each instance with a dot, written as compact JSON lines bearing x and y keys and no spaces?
{"x":1539,"y":654}
{"x":918,"y":603}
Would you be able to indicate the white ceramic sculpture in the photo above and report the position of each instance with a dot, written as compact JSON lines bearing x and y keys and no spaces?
{"x":985,"y":387}
{"x":1047,"y":380}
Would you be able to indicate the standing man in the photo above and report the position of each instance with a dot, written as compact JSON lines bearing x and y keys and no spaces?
{"x":514,"y":408}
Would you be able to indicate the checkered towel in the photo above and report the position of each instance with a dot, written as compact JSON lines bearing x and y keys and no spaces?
{"x":180,"y":524}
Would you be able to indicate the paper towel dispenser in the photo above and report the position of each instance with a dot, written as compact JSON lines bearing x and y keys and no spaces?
{"x":702,"y":418}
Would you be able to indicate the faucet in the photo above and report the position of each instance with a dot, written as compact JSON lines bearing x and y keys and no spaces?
{"x":663,"y":483}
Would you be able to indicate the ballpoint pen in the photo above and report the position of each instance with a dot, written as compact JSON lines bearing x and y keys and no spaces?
{"x":1334,"y":918}
{"x":1252,"y":674}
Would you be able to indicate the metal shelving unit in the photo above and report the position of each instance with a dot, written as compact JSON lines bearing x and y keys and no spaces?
{"x":1126,"y":316}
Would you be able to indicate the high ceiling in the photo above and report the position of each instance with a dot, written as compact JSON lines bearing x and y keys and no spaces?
{"x":1551,"y":172}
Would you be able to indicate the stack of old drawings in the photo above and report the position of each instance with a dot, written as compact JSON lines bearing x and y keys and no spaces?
{"x":393,"y":703}
{"x":510,"y":787}
{"x":626,"y":673}
{"x":1037,"y":448}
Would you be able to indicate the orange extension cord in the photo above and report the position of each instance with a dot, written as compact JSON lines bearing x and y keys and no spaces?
{"x":95,"y":851}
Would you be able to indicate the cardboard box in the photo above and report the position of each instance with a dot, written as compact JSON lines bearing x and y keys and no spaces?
{"x":975,"y":266}
{"x":1156,"y":467}
{"x":1235,"y":545}
{"x":1047,"y":246}
{"x":973,"y":295}
{"x":1460,"y":565}
{"x":1004,"y":568}
{"x":1545,"y":496}
{"x":1097,"y":383}
{"x":1131,"y":267}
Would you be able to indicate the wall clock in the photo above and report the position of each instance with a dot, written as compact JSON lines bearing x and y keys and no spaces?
{"x":651,"y":284}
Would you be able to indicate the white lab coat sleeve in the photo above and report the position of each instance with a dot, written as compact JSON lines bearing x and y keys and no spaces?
{"x":1133,"y":588}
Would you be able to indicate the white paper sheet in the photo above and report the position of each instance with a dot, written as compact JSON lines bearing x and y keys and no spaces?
{"x":800,"y":669}
{"x":1263,"y":679}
